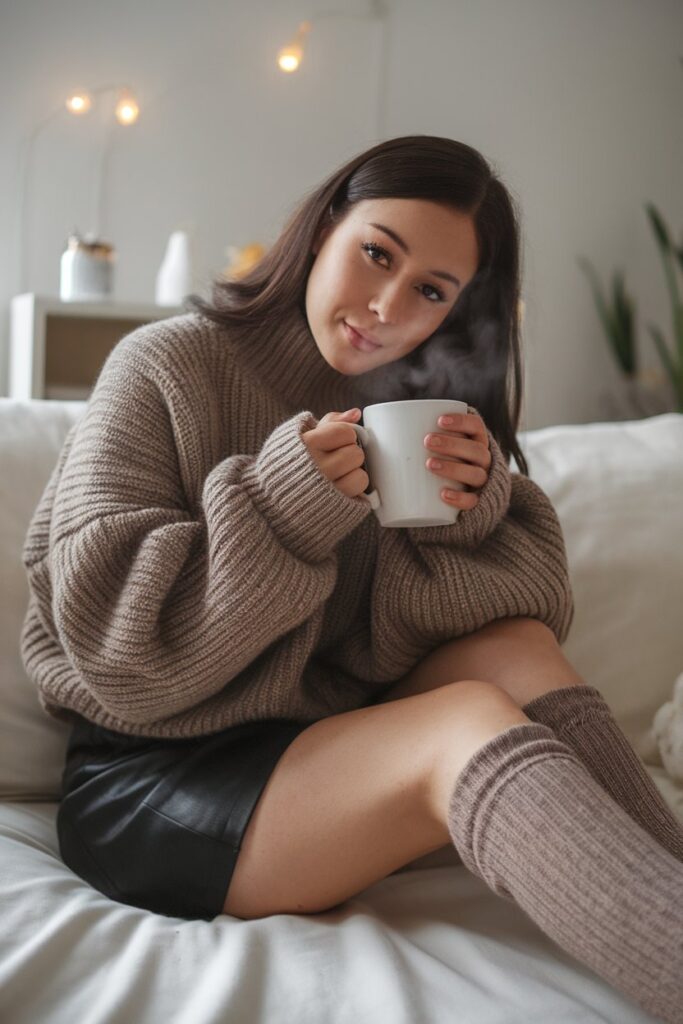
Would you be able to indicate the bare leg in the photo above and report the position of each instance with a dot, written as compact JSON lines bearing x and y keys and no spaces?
{"x":359,"y":795}
{"x":355,"y":797}
{"x":520,"y":655}
{"x":523,"y":658}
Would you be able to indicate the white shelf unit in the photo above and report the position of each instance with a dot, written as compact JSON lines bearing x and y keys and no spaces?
{"x":57,"y":349}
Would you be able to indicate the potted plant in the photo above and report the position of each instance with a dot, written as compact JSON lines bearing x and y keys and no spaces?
{"x":645,"y":389}
{"x":672,"y":259}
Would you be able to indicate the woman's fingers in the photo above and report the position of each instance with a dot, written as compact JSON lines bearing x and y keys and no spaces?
{"x":465,"y":439}
{"x":468,"y":423}
{"x":474,"y":476}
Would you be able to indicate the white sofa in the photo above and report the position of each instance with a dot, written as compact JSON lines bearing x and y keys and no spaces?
{"x":430,"y":943}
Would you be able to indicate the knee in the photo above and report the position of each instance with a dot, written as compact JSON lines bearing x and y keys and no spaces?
{"x":480,"y":693}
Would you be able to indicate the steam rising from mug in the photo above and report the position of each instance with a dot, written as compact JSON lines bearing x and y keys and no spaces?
{"x":450,"y":364}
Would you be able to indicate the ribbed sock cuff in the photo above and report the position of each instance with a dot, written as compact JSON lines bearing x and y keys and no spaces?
{"x":482,"y":781}
{"x":568,"y":707}
{"x":581,"y":717}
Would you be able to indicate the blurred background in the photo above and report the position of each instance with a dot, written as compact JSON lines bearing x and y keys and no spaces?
{"x":195,"y":131}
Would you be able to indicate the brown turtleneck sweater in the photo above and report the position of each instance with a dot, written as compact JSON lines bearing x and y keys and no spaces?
{"x":190,"y":567}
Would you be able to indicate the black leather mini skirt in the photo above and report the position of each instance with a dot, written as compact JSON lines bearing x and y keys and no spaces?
{"x":158,"y":823}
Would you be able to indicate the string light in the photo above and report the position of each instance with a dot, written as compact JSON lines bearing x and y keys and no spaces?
{"x":126,"y":112}
{"x":79,"y":103}
{"x":127,"y":109}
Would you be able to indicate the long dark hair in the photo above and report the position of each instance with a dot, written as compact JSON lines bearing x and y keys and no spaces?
{"x":475,"y":354}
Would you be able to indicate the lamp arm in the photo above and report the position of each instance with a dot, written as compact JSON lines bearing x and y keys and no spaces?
{"x":25,"y":182}
{"x":378,"y":10}
{"x":100,"y":181}
{"x":383,"y":68}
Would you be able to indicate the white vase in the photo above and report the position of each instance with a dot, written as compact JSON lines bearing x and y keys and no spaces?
{"x":174,"y":279}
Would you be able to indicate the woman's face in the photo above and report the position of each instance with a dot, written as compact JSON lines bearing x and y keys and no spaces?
{"x":389,"y":269}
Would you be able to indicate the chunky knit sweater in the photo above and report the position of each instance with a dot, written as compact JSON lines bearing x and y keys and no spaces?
{"x":191,"y":568}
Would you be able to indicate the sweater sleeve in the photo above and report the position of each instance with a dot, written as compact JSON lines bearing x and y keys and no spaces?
{"x":159,"y":601}
{"x":506,"y":557}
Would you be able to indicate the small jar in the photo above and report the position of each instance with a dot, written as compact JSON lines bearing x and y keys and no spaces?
{"x":86,"y":269}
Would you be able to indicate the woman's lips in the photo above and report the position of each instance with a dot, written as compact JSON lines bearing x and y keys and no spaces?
{"x":358,"y":341}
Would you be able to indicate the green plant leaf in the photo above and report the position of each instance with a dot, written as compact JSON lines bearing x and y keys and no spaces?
{"x":666,"y":250}
{"x":664,"y":354}
{"x":679,"y":255}
{"x":623,"y":316}
{"x":658,"y":226}
{"x":678,"y":334}
{"x":608,"y":319}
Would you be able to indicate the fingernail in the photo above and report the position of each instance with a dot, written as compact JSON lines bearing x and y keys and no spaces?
{"x":447,"y":421}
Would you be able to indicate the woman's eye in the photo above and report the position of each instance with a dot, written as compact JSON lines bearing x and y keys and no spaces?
{"x":371,"y":247}
{"x":438,"y":294}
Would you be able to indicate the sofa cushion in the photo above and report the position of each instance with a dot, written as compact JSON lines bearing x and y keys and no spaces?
{"x":32,"y":743}
{"x":617,"y":489}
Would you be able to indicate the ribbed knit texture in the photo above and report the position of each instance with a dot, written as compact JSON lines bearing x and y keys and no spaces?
{"x":581,"y":717}
{"x":529,"y":819}
{"x":191,"y":568}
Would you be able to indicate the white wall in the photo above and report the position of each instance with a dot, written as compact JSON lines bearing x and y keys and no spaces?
{"x":577,"y":105}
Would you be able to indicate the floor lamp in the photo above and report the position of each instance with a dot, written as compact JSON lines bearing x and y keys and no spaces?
{"x":126,"y":113}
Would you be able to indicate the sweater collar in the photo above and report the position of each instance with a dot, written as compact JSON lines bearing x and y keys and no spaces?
{"x":289,"y":364}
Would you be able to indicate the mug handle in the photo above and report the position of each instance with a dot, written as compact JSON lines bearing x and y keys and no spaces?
{"x":364,"y":437}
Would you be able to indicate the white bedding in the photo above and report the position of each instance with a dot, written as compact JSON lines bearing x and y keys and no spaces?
{"x":423,"y":946}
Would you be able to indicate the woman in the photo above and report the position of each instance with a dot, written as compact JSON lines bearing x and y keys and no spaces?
{"x":276,"y":702}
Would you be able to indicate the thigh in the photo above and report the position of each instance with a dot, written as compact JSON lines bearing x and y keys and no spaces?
{"x":359,"y":795}
{"x":519,"y":655}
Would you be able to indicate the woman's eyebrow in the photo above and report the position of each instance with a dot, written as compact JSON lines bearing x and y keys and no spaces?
{"x":402,"y":245}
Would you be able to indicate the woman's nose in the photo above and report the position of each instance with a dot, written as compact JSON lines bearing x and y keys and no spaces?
{"x":387,"y":304}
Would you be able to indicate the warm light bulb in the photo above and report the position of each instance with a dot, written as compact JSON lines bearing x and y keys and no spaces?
{"x":127,"y":110}
{"x":79,"y":103}
{"x":289,"y":57}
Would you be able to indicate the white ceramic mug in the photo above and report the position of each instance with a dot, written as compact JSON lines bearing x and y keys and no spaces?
{"x":405,"y":491}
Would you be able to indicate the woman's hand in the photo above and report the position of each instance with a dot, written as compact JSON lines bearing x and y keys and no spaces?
{"x":462,"y":447}
{"x":334,"y":450}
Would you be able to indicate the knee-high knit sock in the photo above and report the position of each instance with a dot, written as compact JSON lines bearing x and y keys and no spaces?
{"x":581,"y":718}
{"x":528,"y":818}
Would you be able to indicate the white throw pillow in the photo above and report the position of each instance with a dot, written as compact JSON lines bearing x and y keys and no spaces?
{"x":618,"y":491}
{"x":667,"y":732}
